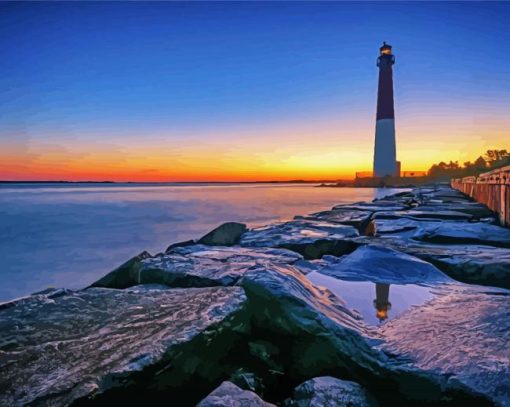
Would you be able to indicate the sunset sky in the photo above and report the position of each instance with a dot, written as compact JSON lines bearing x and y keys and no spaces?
{"x":244,"y":91}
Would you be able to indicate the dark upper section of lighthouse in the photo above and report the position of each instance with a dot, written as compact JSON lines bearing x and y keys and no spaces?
{"x":386,"y":58}
{"x":385,"y":61}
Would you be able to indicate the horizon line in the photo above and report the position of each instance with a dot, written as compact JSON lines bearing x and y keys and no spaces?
{"x":169,"y":182}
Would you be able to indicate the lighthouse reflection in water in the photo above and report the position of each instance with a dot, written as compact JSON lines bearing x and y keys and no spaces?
{"x":375,"y":301}
{"x":381,"y":302}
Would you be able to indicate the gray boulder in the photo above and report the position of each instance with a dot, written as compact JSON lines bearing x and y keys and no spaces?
{"x":229,"y":395}
{"x":376,"y":206}
{"x":310,"y":238}
{"x":120,"y":277}
{"x":446,"y":195}
{"x":470,"y":208}
{"x":227,"y":234}
{"x":469,"y":233}
{"x":356,"y":218}
{"x":444,"y":232}
{"x":475,"y":264}
{"x":328,"y":391}
{"x":381,"y":265}
{"x":421,"y":214}
{"x":98,"y":342}
{"x":196,"y":266}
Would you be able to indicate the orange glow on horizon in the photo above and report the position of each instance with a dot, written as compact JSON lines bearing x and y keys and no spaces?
{"x":313,"y":151}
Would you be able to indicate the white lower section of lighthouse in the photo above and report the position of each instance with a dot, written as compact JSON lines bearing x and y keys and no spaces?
{"x":385,"y":149}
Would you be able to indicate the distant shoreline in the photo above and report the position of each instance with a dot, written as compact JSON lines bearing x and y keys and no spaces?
{"x":177,"y":182}
{"x":315,"y":183}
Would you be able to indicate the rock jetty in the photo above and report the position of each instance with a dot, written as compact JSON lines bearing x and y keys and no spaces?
{"x":234,"y":318}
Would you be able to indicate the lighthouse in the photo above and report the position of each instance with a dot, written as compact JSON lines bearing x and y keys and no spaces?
{"x":385,"y":163}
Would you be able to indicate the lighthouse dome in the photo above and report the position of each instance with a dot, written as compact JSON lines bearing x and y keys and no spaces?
{"x":385,"y":49}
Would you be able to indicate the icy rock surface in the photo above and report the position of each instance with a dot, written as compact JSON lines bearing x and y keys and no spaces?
{"x":421,"y":214}
{"x":464,"y":333}
{"x":470,"y":233}
{"x":229,"y":395}
{"x":376,"y":206}
{"x":476,"y":264}
{"x":328,"y":391}
{"x":310,"y":238}
{"x":196,"y":266}
{"x":470,"y":208}
{"x":54,"y":350}
{"x":381,"y":265}
{"x":445,"y":232}
{"x":356,"y":218}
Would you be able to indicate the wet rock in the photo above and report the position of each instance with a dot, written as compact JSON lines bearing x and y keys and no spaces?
{"x":446,"y":195}
{"x":375,"y":206}
{"x":468,"y":233}
{"x":420,"y":214}
{"x":180,"y":244}
{"x":286,"y":288}
{"x":314,"y":334}
{"x":312,"y":239}
{"x":445,"y":232}
{"x":399,"y":196}
{"x":328,"y":391}
{"x":470,"y":208}
{"x":356,"y":218}
{"x":381,"y":265}
{"x":196,"y":266}
{"x":400,"y":227}
{"x":98,"y":342}
{"x":463,"y":333}
{"x":120,"y":277}
{"x":227,"y":234}
{"x":475,"y":264}
{"x":228,"y":394}
{"x":297,"y":330}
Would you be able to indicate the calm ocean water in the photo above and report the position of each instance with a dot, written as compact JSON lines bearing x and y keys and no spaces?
{"x":58,"y":235}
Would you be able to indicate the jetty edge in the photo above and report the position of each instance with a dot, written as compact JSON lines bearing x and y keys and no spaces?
{"x":232,"y":317}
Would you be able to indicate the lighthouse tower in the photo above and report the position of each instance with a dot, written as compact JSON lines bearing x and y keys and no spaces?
{"x":385,"y":162}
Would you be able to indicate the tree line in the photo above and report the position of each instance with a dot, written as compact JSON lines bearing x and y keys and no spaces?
{"x":491,"y":160}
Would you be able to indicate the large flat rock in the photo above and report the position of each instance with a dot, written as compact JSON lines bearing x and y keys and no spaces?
{"x":379,"y":264}
{"x":464,"y":333}
{"x":469,"y":263}
{"x":57,"y":348}
{"x":445,"y":232}
{"x":470,"y":208}
{"x":352,"y":217}
{"x":445,"y":194}
{"x":468,"y":233}
{"x":195,"y":266}
{"x":376,"y":206}
{"x":421,"y":214}
{"x":310,"y":238}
